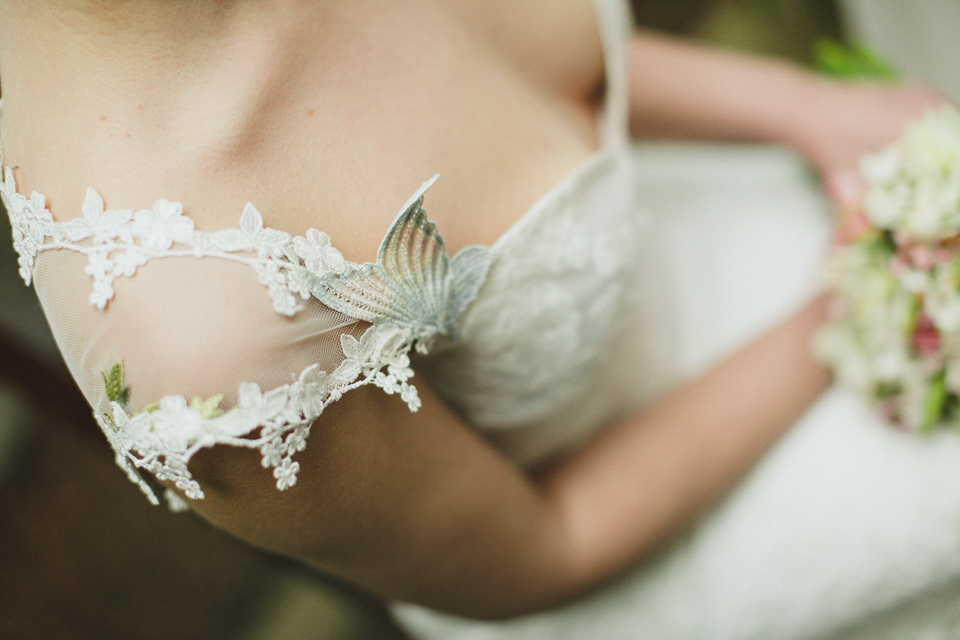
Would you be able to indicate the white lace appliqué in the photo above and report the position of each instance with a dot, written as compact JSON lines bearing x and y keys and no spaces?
{"x":162,"y":438}
{"x":117,"y":242}
{"x":411,"y":295}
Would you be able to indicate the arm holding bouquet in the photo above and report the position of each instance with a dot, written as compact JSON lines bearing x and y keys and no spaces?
{"x":593,"y":514}
{"x":686,"y":91}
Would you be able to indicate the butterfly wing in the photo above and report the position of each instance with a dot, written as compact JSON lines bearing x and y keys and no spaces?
{"x":413,"y":259}
{"x":359,"y":291}
{"x":469,"y":270}
{"x":409,"y":286}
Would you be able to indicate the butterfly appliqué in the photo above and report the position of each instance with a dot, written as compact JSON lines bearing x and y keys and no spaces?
{"x":414,"y":284}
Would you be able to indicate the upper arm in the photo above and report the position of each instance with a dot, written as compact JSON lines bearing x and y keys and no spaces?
{"x":411,"y":505}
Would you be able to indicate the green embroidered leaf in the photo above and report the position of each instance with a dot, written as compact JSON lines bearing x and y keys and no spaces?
{"x":153,"y":406}
{"x":117,"y":391}
{"x":109,"y":420}
{"x":852,"y":62}
{"x":209,"y":408}
{"x":936,"y":400}
{"x":913,"y":317}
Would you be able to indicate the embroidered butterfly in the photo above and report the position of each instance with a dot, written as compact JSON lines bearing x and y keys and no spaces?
{"x":413,"y":285}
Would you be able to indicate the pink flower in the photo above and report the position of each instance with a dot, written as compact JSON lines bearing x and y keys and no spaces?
{"x":926,"y":336}
{"x":853,"y":224}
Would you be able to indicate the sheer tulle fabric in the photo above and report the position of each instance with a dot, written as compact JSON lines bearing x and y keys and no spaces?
{"x":181,"y":339}
{"x":179,"y":344}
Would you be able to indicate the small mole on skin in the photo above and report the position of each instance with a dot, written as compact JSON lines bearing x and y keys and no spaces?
{"x":310,"y":112}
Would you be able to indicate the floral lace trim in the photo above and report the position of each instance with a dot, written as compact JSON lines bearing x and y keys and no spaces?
{"x":411,"y":295}
{"x":118,"y":241}
{"x":163,"y":437}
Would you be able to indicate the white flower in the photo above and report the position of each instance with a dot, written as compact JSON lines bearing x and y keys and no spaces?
{"x":312,"y":390}
{"x":317,"y":252}
{"x":890,"y":364}
{"x":391,"y":345}
{"x":31,"y":223}
{"x":268,"y":273}
{"x":914,"y":184}
{"x":885,"y":205}
{"x":389,"y":384}
{"x":882,"y":167}
{"x":297,"y":439}
{"x":352,"y":364}
{"x":38,"y":222}
{"x":102,"y":293}
{"x":272,"y":453}
{"x":401,"y":372}
{"x":25,"y":260}
{"x":297,"y":285}
{"x":285,"y":299}
{"x":133,"y":429}
{"x":286,"y":474}
{"x":127,"y":262}
{"x":159,"y":228}
{"x":409,"y":395}
{"x":914,"y":280}
{"x":176,"y":425}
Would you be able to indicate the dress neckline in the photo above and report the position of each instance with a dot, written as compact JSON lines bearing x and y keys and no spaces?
{"x":614,"y":22}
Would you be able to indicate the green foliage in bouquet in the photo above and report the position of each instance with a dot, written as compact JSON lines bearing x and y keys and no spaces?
{"x":854,"y":61}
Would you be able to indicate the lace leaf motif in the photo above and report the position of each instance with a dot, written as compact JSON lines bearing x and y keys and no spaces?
{"x":412,"y":294}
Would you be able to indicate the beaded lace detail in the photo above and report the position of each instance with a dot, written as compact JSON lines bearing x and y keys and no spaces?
{"x":411,"y":295}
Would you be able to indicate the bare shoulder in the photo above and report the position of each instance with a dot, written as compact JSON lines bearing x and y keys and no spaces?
{"x":327,"y":116}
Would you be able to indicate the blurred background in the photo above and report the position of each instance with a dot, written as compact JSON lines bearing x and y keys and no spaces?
{"x":82,"y":553}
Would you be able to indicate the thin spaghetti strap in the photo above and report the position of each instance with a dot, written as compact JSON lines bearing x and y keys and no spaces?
{"x":616,"y":24}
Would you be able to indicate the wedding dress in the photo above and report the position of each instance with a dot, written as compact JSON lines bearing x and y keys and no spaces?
{"x":638,"y":270}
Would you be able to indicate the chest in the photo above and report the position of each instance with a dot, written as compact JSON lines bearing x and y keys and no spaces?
{"x":499,"y":98}
{"x":331,"y":119}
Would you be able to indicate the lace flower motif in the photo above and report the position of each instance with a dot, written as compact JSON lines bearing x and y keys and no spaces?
{"x":164,"y":225}
{"x":119,"y":241}
{"x":163,"y":437}
{"x":318,"y":254}
{"x":411,"y":295}
{"x":31,"y":223}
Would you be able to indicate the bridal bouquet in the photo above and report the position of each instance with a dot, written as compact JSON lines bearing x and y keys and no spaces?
{"x":895,"y":331}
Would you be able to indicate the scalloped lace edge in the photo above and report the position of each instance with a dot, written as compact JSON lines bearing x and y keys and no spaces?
{"x":163,"y":440}
{"x":118,"y":241}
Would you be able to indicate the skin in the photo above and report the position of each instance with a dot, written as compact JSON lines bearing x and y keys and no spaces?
{"x":325,"y":114}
